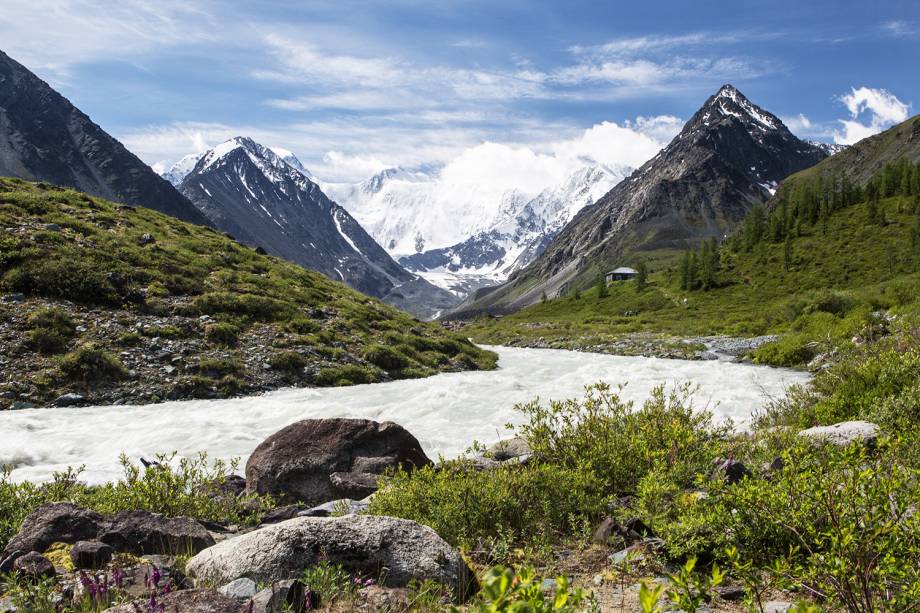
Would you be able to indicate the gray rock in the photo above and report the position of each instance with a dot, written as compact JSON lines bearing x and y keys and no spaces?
{"x":146,"y":239}
{"x":284,"y":596}
{"x":22,"y":404}
{"x":297,"y":461}
{"x":777,"y":606}
{"x":354,"y":485}
{"x":52,"y":227}
{"x":13,"y":298}
{"x":185,"y":601}
{"x":731,"y":470}
{"x":60,"y":522}
{"x":282,"y":514}
{"x":69,"y":400}
{"x":140,"y":532}
{"x":343,"y":506}
{"x":91,"y":554}
{"x":363,"y":544}
{"x":6,"y":562}
{"x":34,"y":565}
{"x":241,"y":589}
{"x":731,"y":593}
{"x":844,"y":433}
{"x":509,"y":448}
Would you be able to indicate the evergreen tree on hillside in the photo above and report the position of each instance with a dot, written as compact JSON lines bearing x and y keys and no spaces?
{"x":787,"y":253}
{"x":686,"y":268}
{"x":641,"y":276}
{"x":601,"y":287}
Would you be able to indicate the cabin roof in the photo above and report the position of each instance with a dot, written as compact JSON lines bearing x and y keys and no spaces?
{"x":622,"y":270}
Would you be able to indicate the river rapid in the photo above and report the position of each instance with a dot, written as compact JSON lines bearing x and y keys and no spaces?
{"x":446,"y":412}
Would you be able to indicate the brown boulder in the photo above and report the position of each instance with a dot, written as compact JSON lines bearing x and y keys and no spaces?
{"x":296,"y":463}
{"x":140,"y":532}
{"x":60,"y":522}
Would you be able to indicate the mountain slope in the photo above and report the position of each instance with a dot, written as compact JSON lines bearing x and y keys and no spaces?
{"x":250,"y":192}
{"x":44,"y":137}
{"x":728,"y":158}
{"x":517,"y":236}
{"x":123,"y":304}
{"x":820,"y":268}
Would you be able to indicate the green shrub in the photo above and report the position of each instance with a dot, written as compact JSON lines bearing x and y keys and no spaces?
{"x":75,"y":279}
{"x":532,"y":504}
{"x":607,"y":437}
{"x":50,"y":330}
{"x":193,"y":487}
{"x":287,"y":361}
{"x":251,"y":306}
{"x":222,"y":333}
{"x":586,"y":454}
{"x":302,"y":325}
{"x":130,"y":339}
{"x":386,"y":358}
{"x":503,"y":590}
{"x":349,"y":374}
{"x":90,"y":363}
{"x":838,"y":522}
{"x":331,"y":583}
{"x":219,"y":367}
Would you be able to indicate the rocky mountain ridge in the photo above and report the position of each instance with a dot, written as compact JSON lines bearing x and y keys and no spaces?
{"x":728,"y":157}
{"x":43,"y":137}
{"x":263,"y":200}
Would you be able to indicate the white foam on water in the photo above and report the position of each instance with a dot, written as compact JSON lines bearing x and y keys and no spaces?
{"x":446,"y":412}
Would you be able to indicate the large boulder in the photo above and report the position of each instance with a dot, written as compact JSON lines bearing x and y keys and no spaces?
{"x":91,"y":554}
{"x":61,"y":522}
{"x":844,"y":433}
{"x":184,"y":601}
{"x":34,"y":565}
{"x":363,"y":544}
{"x":140,"y":532}
{"x":297,"y":462}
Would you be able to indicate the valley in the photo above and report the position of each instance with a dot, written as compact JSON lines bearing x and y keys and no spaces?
{"x":477,"y":309}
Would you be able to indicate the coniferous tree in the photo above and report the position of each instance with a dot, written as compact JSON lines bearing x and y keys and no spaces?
{"x":601,"y":287}
{"x":685,"y":271}
{"x":641,"y":276}
{"x":787,"y":253}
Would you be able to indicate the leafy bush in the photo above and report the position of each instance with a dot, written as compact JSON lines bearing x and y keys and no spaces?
{"x":90,"y":363}
{"x":385,"y":357}
{"x":531,"y":504}
{"x":251,"y":306}
{"x":348,"y":374}
{"x":331,"y":583}
{"x":78,"y":279}
{"x":215,"y":368}
{"x":222,"y":333}
{"x":50,"y":330}
{"x":503,"y":590}
{"x":607,"y":437}
{"x":586,"y":454}
{"x":841,"y":523}
{"x":193,"y":487}
{"x":287,"y":361}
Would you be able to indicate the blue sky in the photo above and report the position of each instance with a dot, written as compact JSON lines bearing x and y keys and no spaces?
{"x":355,"y":86}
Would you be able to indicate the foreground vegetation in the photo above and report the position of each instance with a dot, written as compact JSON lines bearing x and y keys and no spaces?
{"x":100,"y":280}
{"x":836,"y":525}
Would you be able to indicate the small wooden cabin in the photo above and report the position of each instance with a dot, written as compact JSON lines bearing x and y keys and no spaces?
{"x":620,"y":274}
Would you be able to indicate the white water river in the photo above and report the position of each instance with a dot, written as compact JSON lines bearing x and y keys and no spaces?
{"x":446,"y":412}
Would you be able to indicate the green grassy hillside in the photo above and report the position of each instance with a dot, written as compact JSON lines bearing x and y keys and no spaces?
{"x":124,"y":303}
{"x":819,"y":287}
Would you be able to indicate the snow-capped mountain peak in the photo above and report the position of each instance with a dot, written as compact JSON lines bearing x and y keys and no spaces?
{"x":178,"y":171}
{"x":291,"y":160}
{"x":729,"y":102}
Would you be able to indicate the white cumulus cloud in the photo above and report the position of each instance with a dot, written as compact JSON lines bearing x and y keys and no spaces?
{"x":871,"y":111}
